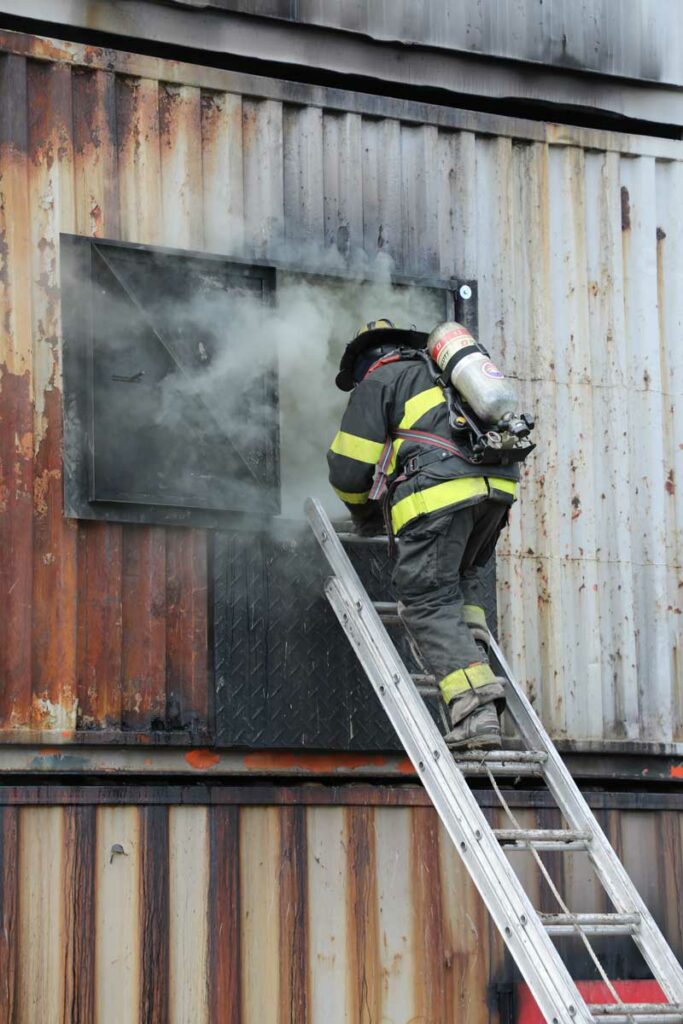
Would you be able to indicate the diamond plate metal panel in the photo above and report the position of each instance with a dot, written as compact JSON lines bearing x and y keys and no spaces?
{"x":285,"y":673}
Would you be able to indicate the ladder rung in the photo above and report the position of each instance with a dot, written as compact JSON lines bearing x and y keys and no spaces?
{"x":641,"y":1018}
{"x":509,"y":756}
{"x":590,"y":924}
{"x":500,"y":769}
{"x":426,"y":684}
{"x":388,"y":612}
{"x":637,"y":1013}
{"x":542,"y":838}
{"x":511,"y":763}
{"x":355,"y":538}
{"x":424,"y":679}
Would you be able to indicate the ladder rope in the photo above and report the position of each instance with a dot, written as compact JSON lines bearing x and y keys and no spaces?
{"x":556,"y":893}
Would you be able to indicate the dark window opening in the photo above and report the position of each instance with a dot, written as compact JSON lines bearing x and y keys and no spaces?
{"x":170,"y":415}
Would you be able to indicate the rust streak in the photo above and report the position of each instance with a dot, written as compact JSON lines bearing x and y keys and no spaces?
{"x":9,"y":889}
{"x":320,"y":764}
{"x":625,"y":209}
{"x":99,"y":633}
{"x":431,"y":965}
{"x":186,"y":630}
{"x":79,"y":904}
{"x":144,"y":627}
{"x":16,"y":548}
{"x":54,"y":586}
{"x":362,"y":917}
{"x":154,"y":910}
{"x":100,"y":546}
{"x":294,"y":981}
{"x":225,"y":995}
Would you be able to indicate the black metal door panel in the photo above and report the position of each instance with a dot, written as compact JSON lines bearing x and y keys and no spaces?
{"x":286,"y":676}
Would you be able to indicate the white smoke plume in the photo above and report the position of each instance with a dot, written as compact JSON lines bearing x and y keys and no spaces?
{"x":304,"y":333}
{"x":232,"y":340}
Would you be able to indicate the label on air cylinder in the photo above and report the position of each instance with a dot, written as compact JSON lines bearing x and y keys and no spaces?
{"x":491,"y":370}
{"x":451,"y":342}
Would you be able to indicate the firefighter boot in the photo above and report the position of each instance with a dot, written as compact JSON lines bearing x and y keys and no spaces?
{"x":474,"y":718}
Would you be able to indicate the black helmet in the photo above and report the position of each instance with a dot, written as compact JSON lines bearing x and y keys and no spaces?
{"x":378,"y":337}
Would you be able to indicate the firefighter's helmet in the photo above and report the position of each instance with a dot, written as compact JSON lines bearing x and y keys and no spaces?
{"x":371,"y":342}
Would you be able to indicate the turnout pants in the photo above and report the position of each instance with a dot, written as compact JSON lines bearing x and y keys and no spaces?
{"x":439,"y":583}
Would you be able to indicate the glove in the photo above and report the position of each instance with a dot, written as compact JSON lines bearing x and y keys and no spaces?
{"x":368,"y":520}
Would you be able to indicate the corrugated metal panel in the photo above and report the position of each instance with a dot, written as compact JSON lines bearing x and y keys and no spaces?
{"x":642,"y":39}
{"x":578,"y":55}
{"x":574,"y":237}
{"x":289,"y":912}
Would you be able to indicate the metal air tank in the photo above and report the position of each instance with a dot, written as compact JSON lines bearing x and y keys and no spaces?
{"x":472,"y":373}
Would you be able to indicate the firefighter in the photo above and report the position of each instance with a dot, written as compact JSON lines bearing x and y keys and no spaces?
{"x":447,"y":511}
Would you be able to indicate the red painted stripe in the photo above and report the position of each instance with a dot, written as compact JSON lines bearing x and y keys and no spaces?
{"x":593,"y":992}
{"x":459,"y":332}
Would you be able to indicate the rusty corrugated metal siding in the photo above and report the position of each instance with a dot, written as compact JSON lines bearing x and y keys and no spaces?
{"x":105,"y":626}
{"x":574,"y":237}
{"x":273,"y":906}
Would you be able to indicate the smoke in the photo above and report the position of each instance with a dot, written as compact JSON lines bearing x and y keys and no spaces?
{"x":312,"y":324}
{"x":231,"y":350}
{"x":239,"y":339}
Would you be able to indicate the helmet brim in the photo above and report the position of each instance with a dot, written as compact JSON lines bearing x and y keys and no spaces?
{"x":396,"y":337}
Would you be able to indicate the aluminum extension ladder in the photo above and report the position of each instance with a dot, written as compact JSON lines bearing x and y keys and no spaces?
{"x":526,"y":931}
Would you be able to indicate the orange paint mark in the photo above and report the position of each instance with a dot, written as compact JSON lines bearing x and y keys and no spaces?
{"x":50,"y":751}
{"x":67,"y":733}
{"x":406,"y":766}
{"x":676,"y":771}
{"x":276,"y":761}
{"x":202,"y":758}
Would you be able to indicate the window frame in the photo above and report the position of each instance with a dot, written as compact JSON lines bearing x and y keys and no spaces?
{"x":76,"y":255}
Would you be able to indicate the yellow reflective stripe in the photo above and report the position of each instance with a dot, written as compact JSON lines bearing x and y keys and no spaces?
{"x":474,"y":615}
{"x":416,"y":407}
{"x":350,"y":498}
{"x":463,"y":679}
{"x":496,"y":483}
{"x":358,"y":448}
{"x":431,"y":499}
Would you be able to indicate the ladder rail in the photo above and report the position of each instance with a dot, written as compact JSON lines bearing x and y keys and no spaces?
{"x":627,"y":900}
{"x":507,"y":902}
{"x":462,"y":817}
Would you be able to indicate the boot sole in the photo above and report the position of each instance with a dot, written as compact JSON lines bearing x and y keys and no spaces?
{"x":491,"y":741}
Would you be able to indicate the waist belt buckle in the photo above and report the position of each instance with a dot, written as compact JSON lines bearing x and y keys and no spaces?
{"x":412,"y":466}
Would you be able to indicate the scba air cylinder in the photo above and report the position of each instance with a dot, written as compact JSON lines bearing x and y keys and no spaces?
{"x":471,"y":372}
